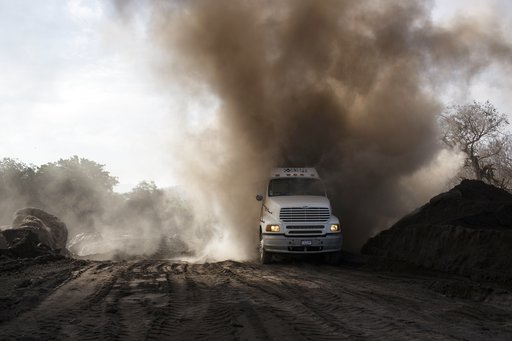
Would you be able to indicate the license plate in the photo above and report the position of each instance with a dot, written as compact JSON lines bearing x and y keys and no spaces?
{"x":306,"y":242}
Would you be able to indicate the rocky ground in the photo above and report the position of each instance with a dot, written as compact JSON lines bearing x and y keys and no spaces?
{"x":56,"y":297}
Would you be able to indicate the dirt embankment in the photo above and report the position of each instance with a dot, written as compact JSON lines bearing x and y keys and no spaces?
{"x":467,"y":230}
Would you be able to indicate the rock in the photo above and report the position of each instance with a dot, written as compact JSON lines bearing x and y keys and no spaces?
{"x":25,"y":243}
{"x":467,"y":231}
{"x":35,"y":232}
{"x":34,"y":217}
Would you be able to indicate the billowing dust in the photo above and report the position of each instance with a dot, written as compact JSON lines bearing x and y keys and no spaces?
{"x":348,"y":87}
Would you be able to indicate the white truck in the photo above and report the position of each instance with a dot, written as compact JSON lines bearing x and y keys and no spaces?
{"x":296,"y":216}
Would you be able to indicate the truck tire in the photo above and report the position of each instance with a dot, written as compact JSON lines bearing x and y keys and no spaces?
{"x":265,"y":257}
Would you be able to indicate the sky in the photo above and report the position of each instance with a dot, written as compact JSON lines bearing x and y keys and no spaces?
{"x":76,"y":81}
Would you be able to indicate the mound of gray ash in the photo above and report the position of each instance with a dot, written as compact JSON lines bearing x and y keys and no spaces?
{"x":34,"y":232}
{"x":467,"y":230}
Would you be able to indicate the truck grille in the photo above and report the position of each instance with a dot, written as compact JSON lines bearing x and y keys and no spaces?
{"x":304,"y":214}
{"x":304,"y":230}
{"x":305,"y":233}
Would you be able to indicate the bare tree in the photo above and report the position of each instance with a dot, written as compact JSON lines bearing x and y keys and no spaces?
{"x":478,"y":130}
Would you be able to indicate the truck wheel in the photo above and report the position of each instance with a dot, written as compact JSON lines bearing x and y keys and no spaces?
{"x":265,"y":257}
{"x":333,"y":258}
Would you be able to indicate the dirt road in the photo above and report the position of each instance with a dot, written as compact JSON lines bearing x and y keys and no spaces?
{"x":156,"y":300}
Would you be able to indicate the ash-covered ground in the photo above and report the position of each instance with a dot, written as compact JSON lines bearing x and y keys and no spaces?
{"x":439,"y":273}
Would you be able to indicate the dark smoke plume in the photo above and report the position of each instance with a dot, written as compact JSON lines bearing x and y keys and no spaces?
{"x":349,"y":87}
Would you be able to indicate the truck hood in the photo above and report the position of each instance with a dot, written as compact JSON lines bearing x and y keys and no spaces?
{"x":276,"y":203}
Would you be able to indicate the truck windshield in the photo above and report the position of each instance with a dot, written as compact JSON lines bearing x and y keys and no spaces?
{"x":295,"y":186}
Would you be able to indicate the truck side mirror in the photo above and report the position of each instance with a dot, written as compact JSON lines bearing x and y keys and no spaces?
{"x":259,"y":197}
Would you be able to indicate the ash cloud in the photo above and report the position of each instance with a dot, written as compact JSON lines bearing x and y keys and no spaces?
{"x":348,"y":87}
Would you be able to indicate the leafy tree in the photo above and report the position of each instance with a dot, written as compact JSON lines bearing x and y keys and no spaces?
{"x":75,"y":189}
{"x":478,"y":130}
{"x":145,"y":199}
{"x":17,"y":188}
{"x":79,"y":170}
{"x":16,"y":176}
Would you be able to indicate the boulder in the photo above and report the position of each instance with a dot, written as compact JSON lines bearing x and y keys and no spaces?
{"x":35,"y":232}
{"x":467,"y":230}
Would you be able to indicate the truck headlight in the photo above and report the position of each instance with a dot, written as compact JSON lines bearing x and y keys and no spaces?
{"x":335,"y":228}
{"x":272,"y":228}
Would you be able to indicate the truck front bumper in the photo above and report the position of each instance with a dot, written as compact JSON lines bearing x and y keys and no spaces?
{"x":292,"y":244}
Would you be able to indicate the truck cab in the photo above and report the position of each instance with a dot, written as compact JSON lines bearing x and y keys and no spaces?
{"x":296,"y":216}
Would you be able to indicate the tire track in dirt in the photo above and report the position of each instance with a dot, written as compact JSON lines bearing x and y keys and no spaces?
{"x":361,"y":306}
{"x":195,"y":309}
{"x":180,"y":305}
{"x":59,"y":316}
{"x":159,"y":299}
{"x":25,"y":284}
{"x":328,"y":301}
{"x":295,"y":320}
{"x":133,"y":299}
{"x":231,"y":314}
